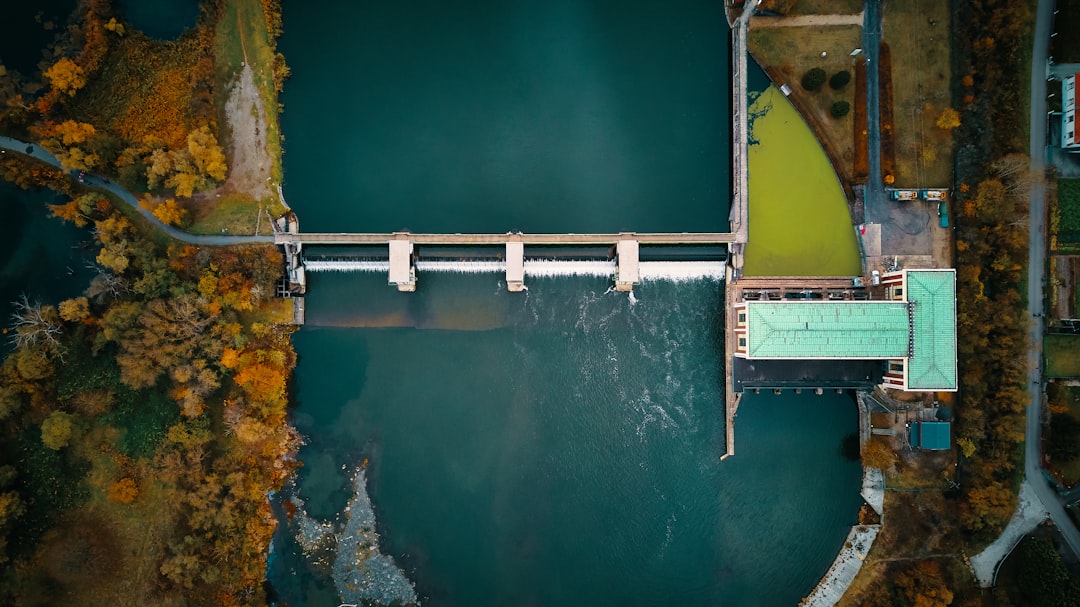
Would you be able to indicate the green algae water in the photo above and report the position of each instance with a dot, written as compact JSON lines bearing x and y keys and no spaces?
{"x":554,"y":447}
{"x":799,"y":219}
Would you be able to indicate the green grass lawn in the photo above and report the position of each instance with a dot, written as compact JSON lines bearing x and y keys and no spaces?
{"x":826,"y":7}
{"x":233,"y":214}
{"x":1062,"y":354}
{"x":1068,"y":200}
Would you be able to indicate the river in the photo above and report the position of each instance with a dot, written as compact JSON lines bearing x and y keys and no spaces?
{"x":559,"y":446}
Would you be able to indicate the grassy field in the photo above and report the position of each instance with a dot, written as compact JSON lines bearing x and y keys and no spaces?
{"x":1068,"y":200}
{"x":811,"y":7}
{"x":917,"y":31}
{"x":232,"y":214}
{"x":1069,"y":472}
{"x":787,"y":53}
{"x":826,"y":7}
{"x":1062,"y":355}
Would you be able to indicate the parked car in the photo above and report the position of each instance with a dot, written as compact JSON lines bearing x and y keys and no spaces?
{"x":943,"y":213}
{"x":904,"y":195}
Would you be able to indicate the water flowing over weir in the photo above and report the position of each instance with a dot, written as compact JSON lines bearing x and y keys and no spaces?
{"x":675,"y":271}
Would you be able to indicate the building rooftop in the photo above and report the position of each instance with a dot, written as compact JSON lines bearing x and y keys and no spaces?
{"x":932,"y":436}
{"x":867,"y":330}
{"x":932,"y":365}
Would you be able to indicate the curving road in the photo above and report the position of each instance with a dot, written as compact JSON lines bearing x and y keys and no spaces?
{"x":1033,"y":472}
{"x":7,"y":144}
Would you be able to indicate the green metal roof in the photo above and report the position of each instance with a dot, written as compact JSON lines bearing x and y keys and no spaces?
{"x":864,"y":329}
{"x":930,"y":435}
{"x":932,"y":365}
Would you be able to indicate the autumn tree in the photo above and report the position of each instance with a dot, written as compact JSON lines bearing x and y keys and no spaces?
{"x":922,"y":585}
{"x":878,"y":454}
{"x":170,"y":213}
{"x":198,"y":166}
{"x":56,"y":430}
{"x":66,"y":76}
{"x":74,"y":310}
{"x":11,"y":507}
{"x":948,"y":120}
{"x":124,"y":491}
{"x":988,"y":507}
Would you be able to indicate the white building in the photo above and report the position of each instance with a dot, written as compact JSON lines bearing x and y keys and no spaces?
{"x":1070,"y":137}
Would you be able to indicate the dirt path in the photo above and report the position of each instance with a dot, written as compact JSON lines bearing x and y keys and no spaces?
{"x":807,"y":20}
{"x":250,"y":163}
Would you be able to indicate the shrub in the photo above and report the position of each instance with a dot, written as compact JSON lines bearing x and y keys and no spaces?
{"x":839,"y":80}
{"x":840,"y":109}
{"x":813,"y":79}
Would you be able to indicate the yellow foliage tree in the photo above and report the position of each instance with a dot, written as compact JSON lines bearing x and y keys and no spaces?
{"x":69,"y":212}
{"x":948,"y":120}
{"x":71,"y":132}
{"x":170,"y":213}
{"x":75,"y":310}
{"x":115,"y":27}
{"x":56,"y":430}
{"x":206,"y":153}
{"x":66,"y":76}
{"x":124,"y":491}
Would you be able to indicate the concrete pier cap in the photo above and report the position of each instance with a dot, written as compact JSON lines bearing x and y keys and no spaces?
{"x":627,"y":275}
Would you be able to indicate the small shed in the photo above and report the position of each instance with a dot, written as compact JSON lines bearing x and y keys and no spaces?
{"x":930,"y":436}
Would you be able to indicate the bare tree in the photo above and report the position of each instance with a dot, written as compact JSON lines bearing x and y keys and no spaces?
{"x":35,"y":325}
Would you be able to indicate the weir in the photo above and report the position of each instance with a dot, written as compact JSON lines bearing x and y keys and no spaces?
{"x":627,"y":269}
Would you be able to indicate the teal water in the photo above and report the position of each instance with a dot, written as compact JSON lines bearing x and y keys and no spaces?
{"x":41,"y":257}
{"x":27,"y":27}
{"x":561,"y":447}
{"x":160,"y":19}
{"x":495,"y":115}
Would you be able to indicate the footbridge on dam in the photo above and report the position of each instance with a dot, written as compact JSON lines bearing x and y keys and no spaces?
{"x":401,"y":263}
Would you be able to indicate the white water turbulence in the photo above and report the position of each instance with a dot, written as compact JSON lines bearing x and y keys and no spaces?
{"x":681,"y":271}
{"x":673,"y":271}
{"x":551,"y":267}
{"x":349,"y":550}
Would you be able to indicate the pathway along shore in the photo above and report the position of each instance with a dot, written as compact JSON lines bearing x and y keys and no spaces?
{"x":97,"y":182}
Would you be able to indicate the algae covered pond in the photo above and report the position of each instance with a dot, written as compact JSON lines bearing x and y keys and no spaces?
{"x":799,"y":220}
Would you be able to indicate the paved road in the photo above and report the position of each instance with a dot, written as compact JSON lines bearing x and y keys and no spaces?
{"x":875,"y":189}
{"x":1036,"y":278}
{"x":7,"y":144}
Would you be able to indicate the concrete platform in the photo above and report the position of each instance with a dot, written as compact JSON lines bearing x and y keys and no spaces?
{"x":515,"y":267}
{"x":402,"y":271}
{"x":627,"y":274}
